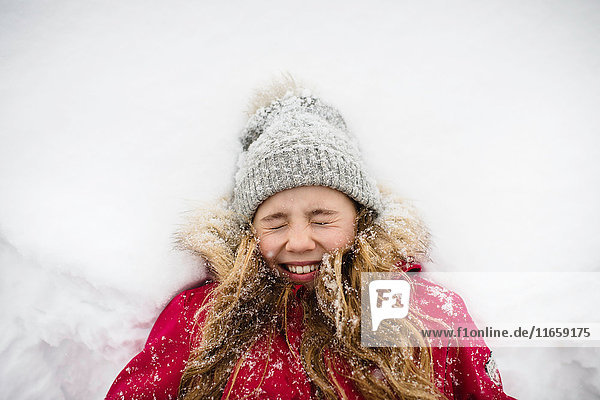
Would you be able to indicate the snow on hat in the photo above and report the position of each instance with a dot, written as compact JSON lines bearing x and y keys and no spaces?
{"x":297,"y":140}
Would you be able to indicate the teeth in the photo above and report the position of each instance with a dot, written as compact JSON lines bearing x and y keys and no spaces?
{"x":299,"y":269}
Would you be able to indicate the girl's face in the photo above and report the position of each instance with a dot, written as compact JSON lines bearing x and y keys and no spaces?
{"x":296,"y":227}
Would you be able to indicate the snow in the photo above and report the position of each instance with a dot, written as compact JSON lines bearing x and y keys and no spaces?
{"x":116,"y":118}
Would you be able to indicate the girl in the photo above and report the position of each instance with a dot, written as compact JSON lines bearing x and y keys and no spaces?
{"x":281,"y":317}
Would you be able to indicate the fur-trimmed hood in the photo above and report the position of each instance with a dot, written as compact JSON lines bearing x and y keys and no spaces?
{"x":214,"y":232}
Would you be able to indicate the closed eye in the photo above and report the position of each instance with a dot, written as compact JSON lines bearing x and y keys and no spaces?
{"x":274,"y":228}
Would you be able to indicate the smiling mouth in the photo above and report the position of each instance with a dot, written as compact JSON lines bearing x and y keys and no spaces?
{"x":300,"y":269}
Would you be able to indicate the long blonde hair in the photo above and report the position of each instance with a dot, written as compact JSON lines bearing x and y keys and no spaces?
{"x":250,"y":301}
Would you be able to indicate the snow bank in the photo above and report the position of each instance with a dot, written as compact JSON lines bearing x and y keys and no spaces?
{"x":116,"y":117}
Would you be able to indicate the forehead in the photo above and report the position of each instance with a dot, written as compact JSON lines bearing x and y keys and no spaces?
{"x":306,"y":197}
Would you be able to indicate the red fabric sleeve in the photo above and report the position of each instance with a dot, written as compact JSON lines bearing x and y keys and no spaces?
{"x":475,"y":376}
{"x":472,"y":369}
{"x":464,"y":369}
{"x":156,"y":371}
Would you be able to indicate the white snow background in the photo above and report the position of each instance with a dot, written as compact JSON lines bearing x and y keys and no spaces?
{"x":117,"y":117}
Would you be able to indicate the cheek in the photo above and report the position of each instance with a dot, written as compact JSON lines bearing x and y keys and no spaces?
{"x":339,"y":238}
{"x":268,"y":248}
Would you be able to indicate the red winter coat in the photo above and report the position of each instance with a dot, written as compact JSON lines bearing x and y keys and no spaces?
{"x":270,"y":370}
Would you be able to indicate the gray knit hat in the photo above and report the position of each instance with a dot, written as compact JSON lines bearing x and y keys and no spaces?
{"x":298,"y":140}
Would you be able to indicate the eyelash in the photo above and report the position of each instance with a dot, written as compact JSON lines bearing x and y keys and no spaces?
{"x":276,"y":227}
{"x":315,"y":223}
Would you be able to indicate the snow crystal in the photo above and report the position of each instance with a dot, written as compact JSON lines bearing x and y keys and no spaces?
{"x":445,"y":297}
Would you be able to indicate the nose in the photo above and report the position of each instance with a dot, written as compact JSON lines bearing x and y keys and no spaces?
{"x":299,"y":241}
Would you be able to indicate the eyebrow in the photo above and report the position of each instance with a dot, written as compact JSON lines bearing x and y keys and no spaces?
{"x":272,"y":217}
{"x":312,"y":213}
{"x":321,"y":211}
